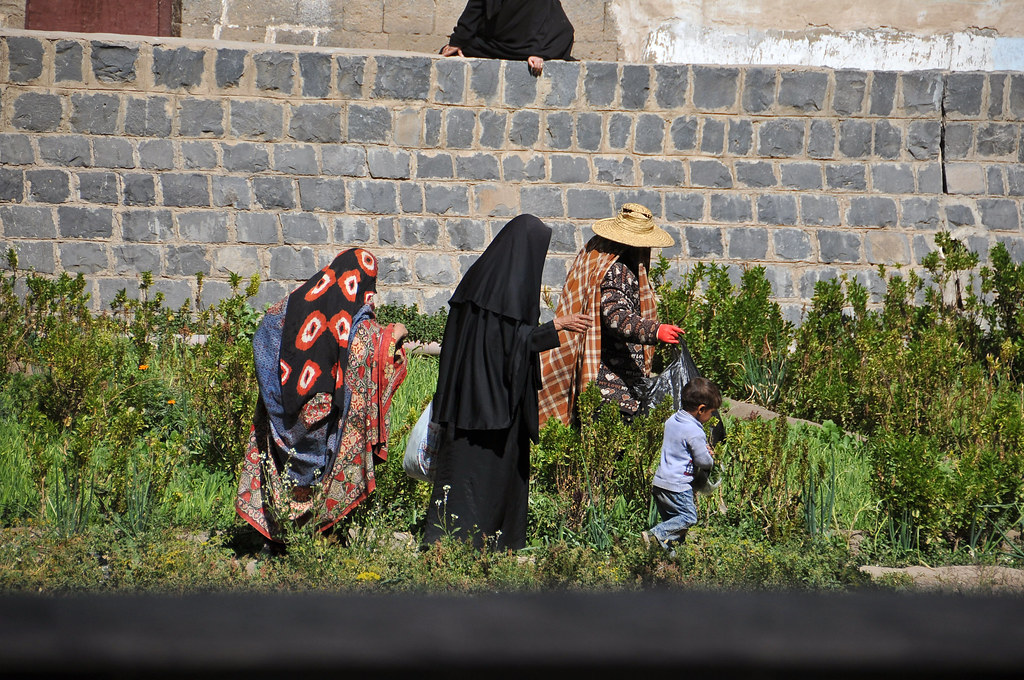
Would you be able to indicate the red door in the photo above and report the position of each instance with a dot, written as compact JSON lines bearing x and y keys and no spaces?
{"x":132,"y":17}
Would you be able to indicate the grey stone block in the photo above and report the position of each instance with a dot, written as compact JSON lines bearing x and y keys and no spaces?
{"x":649,"y":137}
{"x":563,"y":237}
{"x":684,"y":207}
{"x":569,"y":169}
{"x":923,"y":139}
{"x":758,"y":89}
{"x":999,"y":213}
{"x":554,"y":273}
{"x":67,"y":61}
{"x":437,"y":166}
{"x":803,"y":90}
{"x":493,"y":126}
{"x":436,"y":270}
{"x":466,"y":234}
{"x":388,"y":164}
{"x":996,"y":86}
{"x":883,"y":93}
{"x":731,"y":208}
{"x":319,"y":123}
{"x":963,"y":94}
{"x":920,"y":213}
{"x":76,"y":222}
{"x":295,"y":159}
{"x":520,"y":86}
{"x":370,"y":196}
{"x":229,"y":67}
{"x":922,"y":92}
{"x":892,"y":178}
{"x":996,"y":182}
{"x":1016,"y":99}
{"x":148,"y":117}
{"x":113,"y":63}
{"x":411,"y":197}
{"x":459,"y":128}
{"x":781,"y":137}
{"x":36,"y":112}
{"x":275,"y":71}
{"x":22,"y":221}
{"x":44,"y":186}
{"x":245,"y":157}
{"x":516,"y":169}
{"x":238,"y":259}
{"x":419,"y":231}
{"x":888,"y":140}
{"x":838,"y":246}
{"x":16,"y":149}
{"x":446,"y":199}
{"x":620,"y":129}
{"x":393,"y":270}
{"x":757,"y":174}
{"x":369,"y":124}
{"x":563,"y":83}
{"x":809,"y":280}
{"x":483,"y":79}
{"x":274,"y":192}
{"x":351,"y":75}
{"x":114,"y":153}
{"x":302,"y":228}
{"x":139,"y":189}
{"x":855,"y":138}
{"x":229,"y":191}
{"x":599,"y":82}
{"x":135,"y":259}
{"x":256,"y":227}
{"x":432,"y":127}
{"x":259,"y":119}
{"x":402,"y":77}
{"x":741,"y":136}
{"x":684,"y":133}
{"x":348,"y":161}
{"x":525,"y":129}
{"x":704,"y":242}
{"x":958,"y":140}
{"x":386,"y":235}
{"x":803,"y":176}
{"x":98,"y":187}
{"x":206,"y":226}
{"x":186,"y":190}
{"x":288,"y":263}
{"x":848,"y":97}
{"x":12,"y":184}
{"x":199,"y":155}
{"x":648,"y":198}
{"x":665,"y":173}
{"x":95,"y":114}
{"x":957,"y":214}
{"x":872,"y":211}
{"x":845,"y":177}
{"x":177,"y":68}
{"x":672,"y":81}
{"x":819,"y":211}
{"x":712,"y":139}
{"x":776,"y":209}
{"x":315,"y":70}
{"x":451,"y":81}
{"x":929,"y":178}
{"x":714,"y":87}
{"x":996,"y":139}
{"x":187,"y":260}
{"x":83,"y":258}
{"x":791,"y":244}
{"x":618,"y":171}
{"x":542,"y":201}
{"x":822,"y":141}
{"x":781,"y":281}
{"x":65,"y":150}
{"x":1015,"y":180}
{"x":558,"y":129}
{"x":479,"y":166}
{"x":317,"y":193}
{"x":588,"y":204}
{"x":634,"y":86}
{"x":348,"y":230}
{"x":748,"y":243}
{"x":710,"y":174}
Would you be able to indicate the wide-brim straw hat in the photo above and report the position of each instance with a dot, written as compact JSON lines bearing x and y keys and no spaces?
{"x":634,"y":226}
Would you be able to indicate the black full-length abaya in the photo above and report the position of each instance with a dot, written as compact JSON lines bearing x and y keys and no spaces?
{"x":514,"y":29}
{"x":486,"y":398}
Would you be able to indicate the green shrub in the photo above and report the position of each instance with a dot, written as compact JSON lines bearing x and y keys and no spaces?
{"x":422,"y":327}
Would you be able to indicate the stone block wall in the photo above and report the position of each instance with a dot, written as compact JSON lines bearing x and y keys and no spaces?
{"x":178,"y":156}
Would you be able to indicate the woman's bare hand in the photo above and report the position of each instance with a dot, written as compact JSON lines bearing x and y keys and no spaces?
{"x":451,"y":51}
{"x":536,"y":65}
{"x":574,"y":323}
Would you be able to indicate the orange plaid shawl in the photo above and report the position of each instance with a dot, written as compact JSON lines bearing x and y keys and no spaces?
{"x":567,"y":369}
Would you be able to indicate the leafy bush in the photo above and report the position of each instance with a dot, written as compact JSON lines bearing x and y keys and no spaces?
{"x":422,"y":327}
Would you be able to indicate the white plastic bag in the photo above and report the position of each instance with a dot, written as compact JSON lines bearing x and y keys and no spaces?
{"x":418,"y":461}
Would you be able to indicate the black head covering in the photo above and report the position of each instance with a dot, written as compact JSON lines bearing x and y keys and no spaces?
{"x":514,"y":29}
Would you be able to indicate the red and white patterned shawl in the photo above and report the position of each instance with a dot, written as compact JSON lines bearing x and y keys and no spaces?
{"x":567,"y":369}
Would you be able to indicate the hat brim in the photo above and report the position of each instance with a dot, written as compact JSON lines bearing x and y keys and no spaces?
{"x":610,"y":229}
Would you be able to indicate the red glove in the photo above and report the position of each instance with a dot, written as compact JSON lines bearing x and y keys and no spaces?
{"x":669,"y":333}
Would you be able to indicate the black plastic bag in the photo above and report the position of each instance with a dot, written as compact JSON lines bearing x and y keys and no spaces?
{"x":671,"y":382}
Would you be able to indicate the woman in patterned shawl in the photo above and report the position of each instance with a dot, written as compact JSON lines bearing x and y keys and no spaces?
{"x":326,"y":371}
{"x":609,"y":276}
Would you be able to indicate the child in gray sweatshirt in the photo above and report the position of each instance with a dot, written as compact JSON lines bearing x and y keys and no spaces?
{"x":684,"y":448}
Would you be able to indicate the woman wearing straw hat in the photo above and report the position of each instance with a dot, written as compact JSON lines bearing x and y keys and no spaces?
{"x":608,"y":280}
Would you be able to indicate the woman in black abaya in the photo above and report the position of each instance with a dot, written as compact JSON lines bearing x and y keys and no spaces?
{"x":486,"y":398}
{"x":523,"y":30}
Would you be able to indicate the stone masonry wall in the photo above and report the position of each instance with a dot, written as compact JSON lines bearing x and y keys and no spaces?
{"x":119,"y":156}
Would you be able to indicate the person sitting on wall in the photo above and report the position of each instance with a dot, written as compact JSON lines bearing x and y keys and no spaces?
{"x":530,"y":30}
